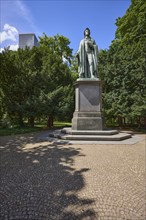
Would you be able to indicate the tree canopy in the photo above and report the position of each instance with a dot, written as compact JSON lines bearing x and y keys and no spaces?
{"x":123,"y":66}
{"x":34,"y":82}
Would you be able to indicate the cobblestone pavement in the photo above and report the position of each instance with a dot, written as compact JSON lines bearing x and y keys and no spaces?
{"x":48,"y":181}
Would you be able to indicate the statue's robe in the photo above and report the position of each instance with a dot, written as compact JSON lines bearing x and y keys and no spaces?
{"x":83,"y":66}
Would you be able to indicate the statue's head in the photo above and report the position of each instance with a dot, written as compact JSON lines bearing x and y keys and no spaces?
{"x":87,"y":32}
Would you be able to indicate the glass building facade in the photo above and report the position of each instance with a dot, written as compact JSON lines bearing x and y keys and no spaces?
{"x":27,"y":40}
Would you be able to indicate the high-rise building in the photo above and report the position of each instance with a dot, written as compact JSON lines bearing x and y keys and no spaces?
{"x":27,"y":40}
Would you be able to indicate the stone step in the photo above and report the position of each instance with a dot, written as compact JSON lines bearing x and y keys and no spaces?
{"x":88,"y":132}
{"x":115,"y":137}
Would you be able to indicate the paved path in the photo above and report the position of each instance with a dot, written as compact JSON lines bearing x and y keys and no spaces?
{"x":48,"y":181}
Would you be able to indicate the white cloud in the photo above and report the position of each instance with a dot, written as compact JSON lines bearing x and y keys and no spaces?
{"x":8,"y":33}
{"x":1,"y":49}
{"x":13,"y":47}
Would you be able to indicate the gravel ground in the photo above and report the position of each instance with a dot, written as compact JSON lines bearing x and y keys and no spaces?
{"x":42,"y":180}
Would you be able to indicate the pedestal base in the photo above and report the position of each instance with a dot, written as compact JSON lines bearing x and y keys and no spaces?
{"x":87,"y":121}
{"x":88,"y":115}
{"x":104,"y":135}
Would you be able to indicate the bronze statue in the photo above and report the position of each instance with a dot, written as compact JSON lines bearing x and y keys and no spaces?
{"x":87,"y":57}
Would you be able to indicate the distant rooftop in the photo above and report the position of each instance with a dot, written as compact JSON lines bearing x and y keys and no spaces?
{"x":27,"y":40}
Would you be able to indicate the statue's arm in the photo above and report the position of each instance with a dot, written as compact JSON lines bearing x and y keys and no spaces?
{"x":95,"y":47}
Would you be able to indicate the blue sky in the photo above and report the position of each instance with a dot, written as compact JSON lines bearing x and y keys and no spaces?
{"x":68,"y":18}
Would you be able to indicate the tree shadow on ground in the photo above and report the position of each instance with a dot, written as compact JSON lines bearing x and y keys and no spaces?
{"x":39,"y":181}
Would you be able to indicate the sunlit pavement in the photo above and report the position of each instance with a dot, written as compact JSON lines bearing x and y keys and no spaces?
{"x":42,"y":180}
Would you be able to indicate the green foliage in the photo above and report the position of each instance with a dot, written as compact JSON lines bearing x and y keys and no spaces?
{"x":33,"y":81}
{"x":123,"y":66}
{"x":66,"y":104}
{"x":58,"y":45}
{"x":132,"y":25}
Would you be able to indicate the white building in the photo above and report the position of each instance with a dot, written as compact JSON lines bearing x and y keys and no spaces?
{"x":27,"y":40}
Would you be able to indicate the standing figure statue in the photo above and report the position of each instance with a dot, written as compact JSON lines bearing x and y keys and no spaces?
{"x":87,"y":57}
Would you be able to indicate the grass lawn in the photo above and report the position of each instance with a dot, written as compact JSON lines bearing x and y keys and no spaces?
{"x":57,"y":125}
{"x":17,"y":130}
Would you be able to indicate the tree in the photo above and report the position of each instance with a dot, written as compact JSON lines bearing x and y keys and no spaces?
{"x":35,"y":82}
{"x":57,"y":73}
{"x":124,"y":71}
{"x":13,"y":82}
{"x":58,"y":45}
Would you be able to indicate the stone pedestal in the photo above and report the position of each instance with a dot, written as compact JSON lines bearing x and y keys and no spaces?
{"x":88,"y":105}
{"x":87,"y":122}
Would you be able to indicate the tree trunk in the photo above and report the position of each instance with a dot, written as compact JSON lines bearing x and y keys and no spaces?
{"x":31,"y":121}
{"x":20,"y":120}
{"x":145,"y":122}
{"x":124,"y":121}
{"x":50,"y":121}
{"x":120,"y":121}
